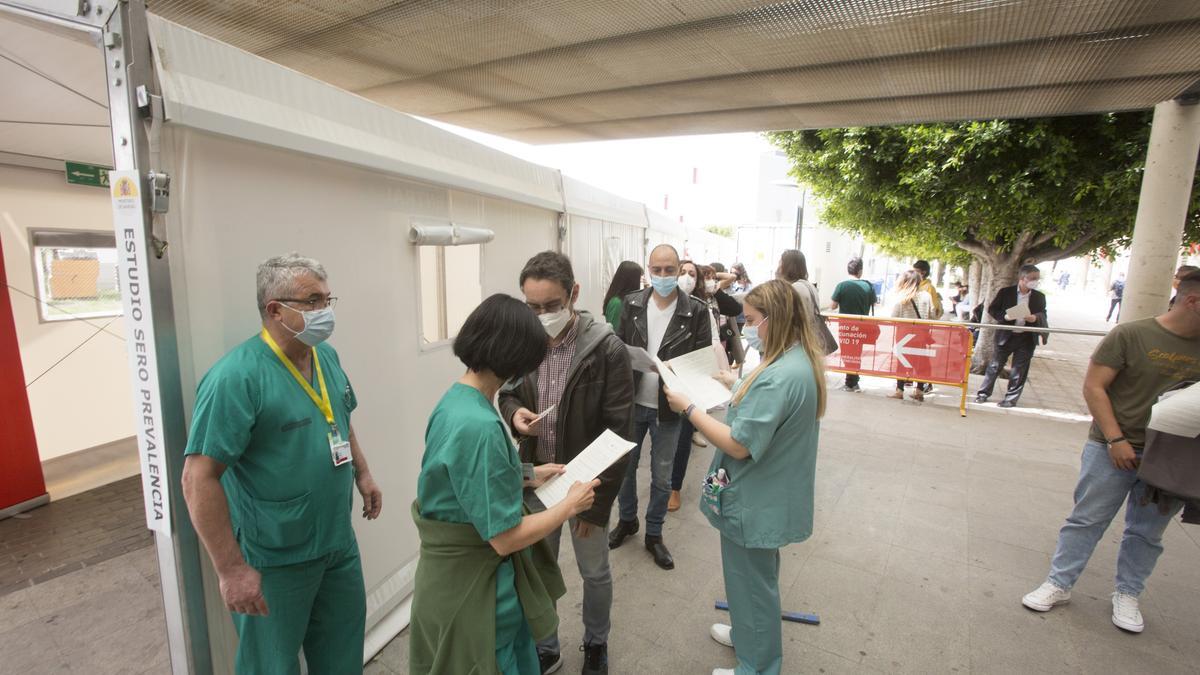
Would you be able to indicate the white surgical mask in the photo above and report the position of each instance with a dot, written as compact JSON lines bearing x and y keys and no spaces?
{"x":751,"y":335}
{"x":318,"y":325}
{"x":555,"y":323}
{"x":687,"y":283}
{"x":710,"y":285}
{"x":1031,"y":285}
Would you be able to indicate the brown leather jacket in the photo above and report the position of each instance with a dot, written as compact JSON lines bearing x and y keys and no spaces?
{"x":598,"y":396}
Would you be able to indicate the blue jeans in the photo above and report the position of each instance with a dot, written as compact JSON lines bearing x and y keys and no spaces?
{"x":683,"y":454}
{"x":1101,"y":490}
{"x":663,"y":436}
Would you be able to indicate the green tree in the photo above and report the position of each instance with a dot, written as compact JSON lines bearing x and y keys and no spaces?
{"x":1003,"y":192}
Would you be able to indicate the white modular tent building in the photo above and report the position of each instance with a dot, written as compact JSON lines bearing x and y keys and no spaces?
{"x":603,"y":229}
{"x":415,"y":225}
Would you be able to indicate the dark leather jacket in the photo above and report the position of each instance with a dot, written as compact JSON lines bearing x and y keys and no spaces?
{"x":689,"y":330}
{"x":598,"y":396}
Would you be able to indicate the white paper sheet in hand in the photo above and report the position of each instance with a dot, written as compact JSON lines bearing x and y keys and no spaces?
{"x":595,"y":458}
{"x":1017,"y":312}
{"x":1178,"y":414}
{"x":640,"y":359}
{"x":692,"y":374}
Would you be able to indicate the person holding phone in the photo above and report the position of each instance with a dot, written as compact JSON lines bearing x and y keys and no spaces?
{"x":759,"y":490}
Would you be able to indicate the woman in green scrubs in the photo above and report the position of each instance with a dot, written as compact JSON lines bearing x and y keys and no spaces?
{"x":759,"y":491}
{"x":471,"y":474}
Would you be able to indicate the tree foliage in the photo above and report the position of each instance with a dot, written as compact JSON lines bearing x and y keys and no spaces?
{"x":1003,"y":191}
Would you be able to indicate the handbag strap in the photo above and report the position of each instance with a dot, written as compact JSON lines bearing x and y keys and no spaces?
{"x":915,"y":308}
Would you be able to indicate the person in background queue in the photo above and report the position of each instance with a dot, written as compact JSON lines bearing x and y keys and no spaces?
{"x":759,"y":490}
{"x":1180,"y":275}
{"x":793,"y":268}
{"x":717,"y":283}
{"x":1131,"y":368}
{"x":853,"y":296}
{"x":626,"y":280}
{"x":666,"y":323}
{"x":1017,"y":344}
{"x":270,"y":468}
{"x":584,"y":386}
{"x":486,"y":581}
{"x":1116,"y":292}
{"x":739,"y":288}
{"x":912,"y":302}
{"x":922,"y":267}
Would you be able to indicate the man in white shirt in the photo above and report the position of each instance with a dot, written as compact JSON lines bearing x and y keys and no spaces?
{"x":667,"y":323}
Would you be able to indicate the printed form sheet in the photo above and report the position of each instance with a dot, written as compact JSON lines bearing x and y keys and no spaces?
{"x":692,"y":374}
{"x":595,"y":458}
{"x":1178,"y":413}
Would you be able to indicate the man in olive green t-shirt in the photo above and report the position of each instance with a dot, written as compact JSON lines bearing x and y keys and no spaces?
{"x":853,"y":296}
{"x":1133,"y":366}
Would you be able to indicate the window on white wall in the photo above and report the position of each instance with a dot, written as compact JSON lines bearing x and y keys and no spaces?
{"x":450,"y":289}
{"x":75,"y":274}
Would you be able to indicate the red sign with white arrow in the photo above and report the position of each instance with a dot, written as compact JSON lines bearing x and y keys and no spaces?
{"x":901,"y":349}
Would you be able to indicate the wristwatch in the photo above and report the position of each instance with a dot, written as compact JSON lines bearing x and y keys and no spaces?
{"x":687,"y":414}
{"x":527,"y":471}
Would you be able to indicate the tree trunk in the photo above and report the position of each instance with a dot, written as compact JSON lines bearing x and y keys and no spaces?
{"x":941,"y":274}
{"x":974,"y":279}
{"x":997,"y":273}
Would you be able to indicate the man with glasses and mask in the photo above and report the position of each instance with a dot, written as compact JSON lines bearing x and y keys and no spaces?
{"x":272,"y":461}
{"x":1018,"y":305}
{"x":666,"y":323}
{"x":582,"y":388}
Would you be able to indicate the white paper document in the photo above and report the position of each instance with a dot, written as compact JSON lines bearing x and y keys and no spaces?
{"x":640,"y":359}
{"x":595,"y":458}
{"x":1018,"y":311}
{"x":1178,"y":414}
{"x":692,"y":374}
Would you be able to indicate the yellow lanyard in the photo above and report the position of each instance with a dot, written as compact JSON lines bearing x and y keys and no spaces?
{"x":322,"y":401}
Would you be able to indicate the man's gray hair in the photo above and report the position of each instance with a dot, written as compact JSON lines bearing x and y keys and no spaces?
{"x":277,"y":277}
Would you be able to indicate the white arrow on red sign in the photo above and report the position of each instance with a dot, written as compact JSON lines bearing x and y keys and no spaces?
{"x":901,"y":351}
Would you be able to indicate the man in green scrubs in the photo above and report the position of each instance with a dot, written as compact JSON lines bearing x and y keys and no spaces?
{"x":271,"y":463}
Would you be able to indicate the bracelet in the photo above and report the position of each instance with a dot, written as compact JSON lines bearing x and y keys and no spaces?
{"x":687,"y":414}
{"x":1114,"y":441}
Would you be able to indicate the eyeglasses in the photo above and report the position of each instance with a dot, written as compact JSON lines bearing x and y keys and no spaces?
{"x":312,"y":303}
{"x":551,"y":307}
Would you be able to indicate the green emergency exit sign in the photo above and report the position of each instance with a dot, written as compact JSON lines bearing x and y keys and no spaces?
{"x":87,"y":174}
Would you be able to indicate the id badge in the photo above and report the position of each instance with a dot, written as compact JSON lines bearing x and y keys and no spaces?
{"x":339,"y":449}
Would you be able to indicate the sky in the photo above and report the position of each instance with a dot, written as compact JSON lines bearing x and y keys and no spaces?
{"x":657,"y":171}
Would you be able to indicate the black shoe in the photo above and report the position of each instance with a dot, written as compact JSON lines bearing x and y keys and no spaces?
{"x":981,"y":399}
{"x":550,"y":662}
{"x":662,"y":557}
{"x":1008,"y":404}
{"x":623,"y":530}
{"x":595,"y":659}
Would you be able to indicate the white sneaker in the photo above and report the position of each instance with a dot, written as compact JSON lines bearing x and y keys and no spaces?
{"x":722,"y":633}
{"x":723,"y":671}
{"x":1126,"y":614}
{"x":698,"y":440}
{"x":1046,"y":597}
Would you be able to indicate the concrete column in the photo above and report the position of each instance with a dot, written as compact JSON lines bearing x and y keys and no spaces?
{"x":1162,"y":209}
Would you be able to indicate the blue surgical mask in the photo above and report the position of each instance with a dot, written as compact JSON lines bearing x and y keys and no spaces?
{"x":751,"y":335}
{"x":318,"y":326}
{"x":664,"y":286}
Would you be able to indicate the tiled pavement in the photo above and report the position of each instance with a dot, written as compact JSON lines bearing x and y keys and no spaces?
{"x":70,"y":534}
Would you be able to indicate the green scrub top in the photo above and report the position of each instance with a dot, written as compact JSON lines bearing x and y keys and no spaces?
{"x":471,"y":474}
{"x":769,"y":500}
{"x":288,"y":503}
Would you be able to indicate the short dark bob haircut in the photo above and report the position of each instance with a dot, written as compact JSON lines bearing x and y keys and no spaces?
{"x":502,"y":335}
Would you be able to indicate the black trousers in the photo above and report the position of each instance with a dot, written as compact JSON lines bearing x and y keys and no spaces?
{"x":1112,"y":307}
{"x":1020,"y":348}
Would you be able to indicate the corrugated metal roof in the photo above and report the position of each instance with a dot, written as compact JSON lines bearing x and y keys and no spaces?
{"x":573,"y":70}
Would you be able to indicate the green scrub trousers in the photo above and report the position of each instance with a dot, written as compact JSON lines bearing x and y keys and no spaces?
{"x":319,"y":605}
{"x":752,"y":589}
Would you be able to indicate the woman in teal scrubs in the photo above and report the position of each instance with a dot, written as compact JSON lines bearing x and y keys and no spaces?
{"x":759,"y":491}
{"x":471,"y":474}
